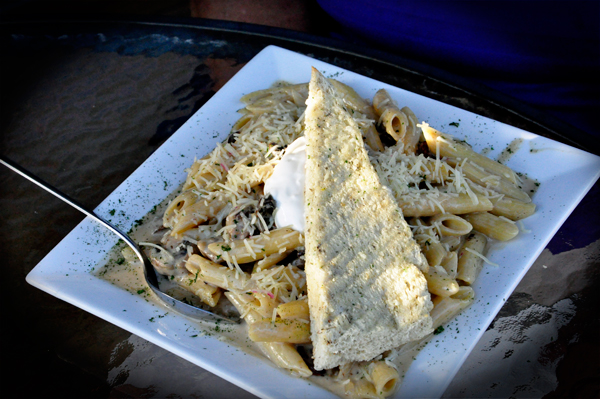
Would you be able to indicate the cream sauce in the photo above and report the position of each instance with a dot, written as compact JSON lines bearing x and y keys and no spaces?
{"x":527,"y":184}
{"x":510,"y":150}
{"x":127,"y":273}
{"x":286,"y":185}
{"x":129,"y":276}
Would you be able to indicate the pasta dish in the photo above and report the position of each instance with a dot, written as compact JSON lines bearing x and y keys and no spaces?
{"x":234,"y":235}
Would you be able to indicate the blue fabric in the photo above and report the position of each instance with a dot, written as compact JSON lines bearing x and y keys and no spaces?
{"x":544,"y":53}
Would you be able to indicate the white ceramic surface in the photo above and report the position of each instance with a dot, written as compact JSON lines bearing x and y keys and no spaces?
{"x":565,"y":175}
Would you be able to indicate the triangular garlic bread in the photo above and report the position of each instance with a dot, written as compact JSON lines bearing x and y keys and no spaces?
{"x":366,"y":291}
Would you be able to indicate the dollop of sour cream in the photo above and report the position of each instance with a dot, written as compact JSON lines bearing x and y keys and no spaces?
{"x":286,"y":186}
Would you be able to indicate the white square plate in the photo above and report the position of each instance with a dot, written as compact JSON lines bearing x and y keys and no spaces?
{"x":565,"y":174}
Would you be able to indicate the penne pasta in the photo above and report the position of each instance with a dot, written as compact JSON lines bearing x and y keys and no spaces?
{"x":450,"y":264}
{"x":448,"y":224}
{"x":270,"y":260}
{"x":286,"y":89}
{"x":361,"y":388}
{"x":372,"y":138}
{"x":183,"y":200}
{"x":264,"y":303}
{"x":452,"y":243}
{"x":460,"y":204}
{"x":215,"y":274}
{"x":384,"y":377}
{"x":469,"y":264}
{"x":511,"y":208}
{"x":281,"y":330}
{"x":196,"y":214}
{"x":480,"y":176}
{"x":268,"y":100}
{"x":446,"y":308}
{"x":294,"y":310}
{"x":464,"y":293}
{"x":209,"y":294}
{"x":440,"y":283}
{"x":413,"y":132}
{"x":283,"y":355}
{"x":381,"y":101}
{"x":199,"y":179}
{"x":448,"y":147}
{"x":395,"y":122}
{"x":358,"y":104}
{"x":351,"y":99}
{"x":240,"y":123}
{"x":401,"y":124}
{"x":434,"y":252}
{"x":261,"y":246}
{"x":241,"y":302}
{"x":493,"y":226}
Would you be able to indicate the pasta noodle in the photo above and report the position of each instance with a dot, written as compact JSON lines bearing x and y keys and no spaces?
{"x":469,"y":262}
{"x":401,"y":124}
{"x":280,"y":330}
{"x":493,"y":226}
{"x":385,"y":378}
{"x":297,"y":309}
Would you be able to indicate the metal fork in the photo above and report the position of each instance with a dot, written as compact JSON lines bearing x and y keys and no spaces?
{"x":149,"y":272}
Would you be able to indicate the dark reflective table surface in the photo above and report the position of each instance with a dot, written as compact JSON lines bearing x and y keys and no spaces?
{"x":84,"y":103}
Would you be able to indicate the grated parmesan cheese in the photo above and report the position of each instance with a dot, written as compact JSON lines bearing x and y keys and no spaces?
{"x":486,"y":260}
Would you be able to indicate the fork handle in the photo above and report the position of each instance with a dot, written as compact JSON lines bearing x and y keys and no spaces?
{"x":65,"y":198}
